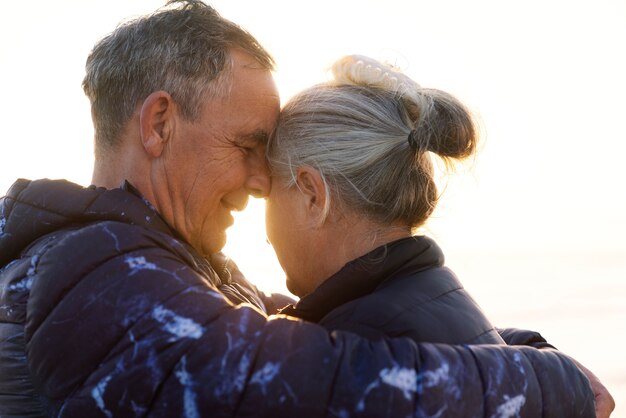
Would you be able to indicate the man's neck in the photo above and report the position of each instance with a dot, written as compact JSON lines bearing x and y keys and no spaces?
{"x":104,"y":175}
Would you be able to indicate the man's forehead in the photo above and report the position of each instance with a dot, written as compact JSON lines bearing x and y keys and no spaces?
{"x":253,"y":65}
{"x":244,"y":60}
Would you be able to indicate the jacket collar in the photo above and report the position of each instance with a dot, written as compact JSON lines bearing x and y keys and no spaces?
{"x":32,"y":209}
{"x":365,"y":274}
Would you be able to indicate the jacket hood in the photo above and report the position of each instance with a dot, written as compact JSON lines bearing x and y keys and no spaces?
{"x":33,"y":209}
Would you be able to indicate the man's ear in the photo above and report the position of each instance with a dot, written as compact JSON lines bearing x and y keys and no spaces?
{"x":313,"y":188}
{"x":156,"y":121}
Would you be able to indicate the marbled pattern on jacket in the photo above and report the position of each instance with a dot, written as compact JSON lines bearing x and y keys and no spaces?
{"x":106,"y":312}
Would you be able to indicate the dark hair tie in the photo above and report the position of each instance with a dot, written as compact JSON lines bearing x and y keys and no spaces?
{"x":412,"y":139}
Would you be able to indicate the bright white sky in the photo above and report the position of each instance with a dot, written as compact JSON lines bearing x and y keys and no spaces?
{"x":546,"y":78}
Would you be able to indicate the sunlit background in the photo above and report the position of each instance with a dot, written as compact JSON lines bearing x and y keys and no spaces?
{"x":534,"y":227}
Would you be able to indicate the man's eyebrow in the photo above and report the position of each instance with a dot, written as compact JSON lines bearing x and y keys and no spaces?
{"x":259,"y":136}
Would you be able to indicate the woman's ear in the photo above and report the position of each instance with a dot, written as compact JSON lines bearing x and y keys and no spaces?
{"x":313,"y":188}
{"x":156,"y":121}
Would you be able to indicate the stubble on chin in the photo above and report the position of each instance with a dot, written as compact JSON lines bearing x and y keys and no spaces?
{"x":212,"y":244}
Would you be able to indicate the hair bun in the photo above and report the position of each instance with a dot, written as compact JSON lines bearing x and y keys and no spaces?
{"x":439,"y":122}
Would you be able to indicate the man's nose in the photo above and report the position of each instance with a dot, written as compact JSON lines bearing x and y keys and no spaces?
{"x":259,"y":182}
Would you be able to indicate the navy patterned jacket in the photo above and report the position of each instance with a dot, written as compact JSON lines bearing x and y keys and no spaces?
{"x":106,"y":312}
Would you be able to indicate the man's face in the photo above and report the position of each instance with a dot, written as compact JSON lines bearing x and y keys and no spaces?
{"x":216,"y":161}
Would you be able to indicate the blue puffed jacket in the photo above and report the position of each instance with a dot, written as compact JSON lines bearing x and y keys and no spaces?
{"x":105,"y":311}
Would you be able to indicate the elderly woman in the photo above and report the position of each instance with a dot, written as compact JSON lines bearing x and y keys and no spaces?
{"x":352,"y":180}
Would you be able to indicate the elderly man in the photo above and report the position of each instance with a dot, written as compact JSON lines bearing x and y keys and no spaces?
{"x":109,"y":305}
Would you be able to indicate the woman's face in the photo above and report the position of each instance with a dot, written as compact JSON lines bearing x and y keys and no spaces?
{"x":291,"y":234}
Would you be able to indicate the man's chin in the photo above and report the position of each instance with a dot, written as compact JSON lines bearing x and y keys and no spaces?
{"x":213,"y":245}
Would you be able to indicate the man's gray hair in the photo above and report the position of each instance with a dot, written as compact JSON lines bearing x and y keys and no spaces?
{"x":370,"y":133}
{"x":182,"y":48}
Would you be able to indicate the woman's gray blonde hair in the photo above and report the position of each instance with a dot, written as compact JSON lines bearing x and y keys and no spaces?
{"x":355,"y":131}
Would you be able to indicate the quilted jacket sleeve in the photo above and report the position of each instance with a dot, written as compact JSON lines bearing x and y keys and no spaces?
{"x":139,"y":333}
{"x":515,"y":336}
